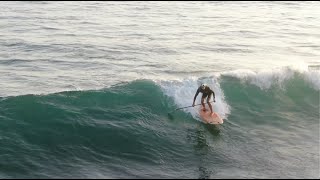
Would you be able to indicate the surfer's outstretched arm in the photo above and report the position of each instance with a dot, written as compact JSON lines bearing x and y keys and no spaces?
{"x":195,"y":96}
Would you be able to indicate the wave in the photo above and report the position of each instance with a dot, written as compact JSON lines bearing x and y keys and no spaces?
{"x":128,"y":123}
{"x":171,"y":94}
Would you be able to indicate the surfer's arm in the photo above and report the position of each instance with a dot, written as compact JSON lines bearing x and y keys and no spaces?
{"x":195,"y":96}
{"x":214,"y":97}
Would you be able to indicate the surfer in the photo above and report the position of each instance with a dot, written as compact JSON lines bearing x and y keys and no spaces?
{"x":206,"y":92}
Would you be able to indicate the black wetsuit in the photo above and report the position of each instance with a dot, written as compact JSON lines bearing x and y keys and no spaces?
{"x":205,"y":92}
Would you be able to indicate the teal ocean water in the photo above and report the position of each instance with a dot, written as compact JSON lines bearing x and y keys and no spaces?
{"x":86,"y":88}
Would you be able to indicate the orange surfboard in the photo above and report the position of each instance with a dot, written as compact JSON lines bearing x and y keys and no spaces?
{"x":210,"y":118}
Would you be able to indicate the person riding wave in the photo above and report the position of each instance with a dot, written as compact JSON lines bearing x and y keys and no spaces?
{"x":206,"y":92}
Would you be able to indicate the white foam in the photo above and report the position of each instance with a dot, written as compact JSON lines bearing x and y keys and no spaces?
{"x":183,"y":91}
{"x":264,"y":79}
{"x":313,"y":77}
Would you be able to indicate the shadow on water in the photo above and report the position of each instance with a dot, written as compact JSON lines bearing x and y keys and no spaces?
{"x":214,"y":130}
{"x":202,"y":148}
{"x":201,"y":137}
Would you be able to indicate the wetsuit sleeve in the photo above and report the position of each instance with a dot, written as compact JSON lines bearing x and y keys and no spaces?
{"x":195,"y":96}
{"x":214,"y":97}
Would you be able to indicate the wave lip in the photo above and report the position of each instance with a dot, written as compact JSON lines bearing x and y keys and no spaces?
{"x":265,"y":79}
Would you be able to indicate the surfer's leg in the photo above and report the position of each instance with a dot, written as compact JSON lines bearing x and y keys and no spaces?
{"x":202,"y":102}
{"x":208,"y":101}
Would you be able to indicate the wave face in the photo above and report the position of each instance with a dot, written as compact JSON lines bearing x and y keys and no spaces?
{"x":124,"y":131}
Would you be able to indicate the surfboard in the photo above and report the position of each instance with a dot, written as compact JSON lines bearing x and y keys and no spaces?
{"x":210,"y":118}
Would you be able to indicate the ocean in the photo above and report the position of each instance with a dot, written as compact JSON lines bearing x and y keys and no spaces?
{"x":90,"y":89}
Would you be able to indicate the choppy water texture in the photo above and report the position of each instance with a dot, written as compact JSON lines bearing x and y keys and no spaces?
{"x":86,"y":88}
